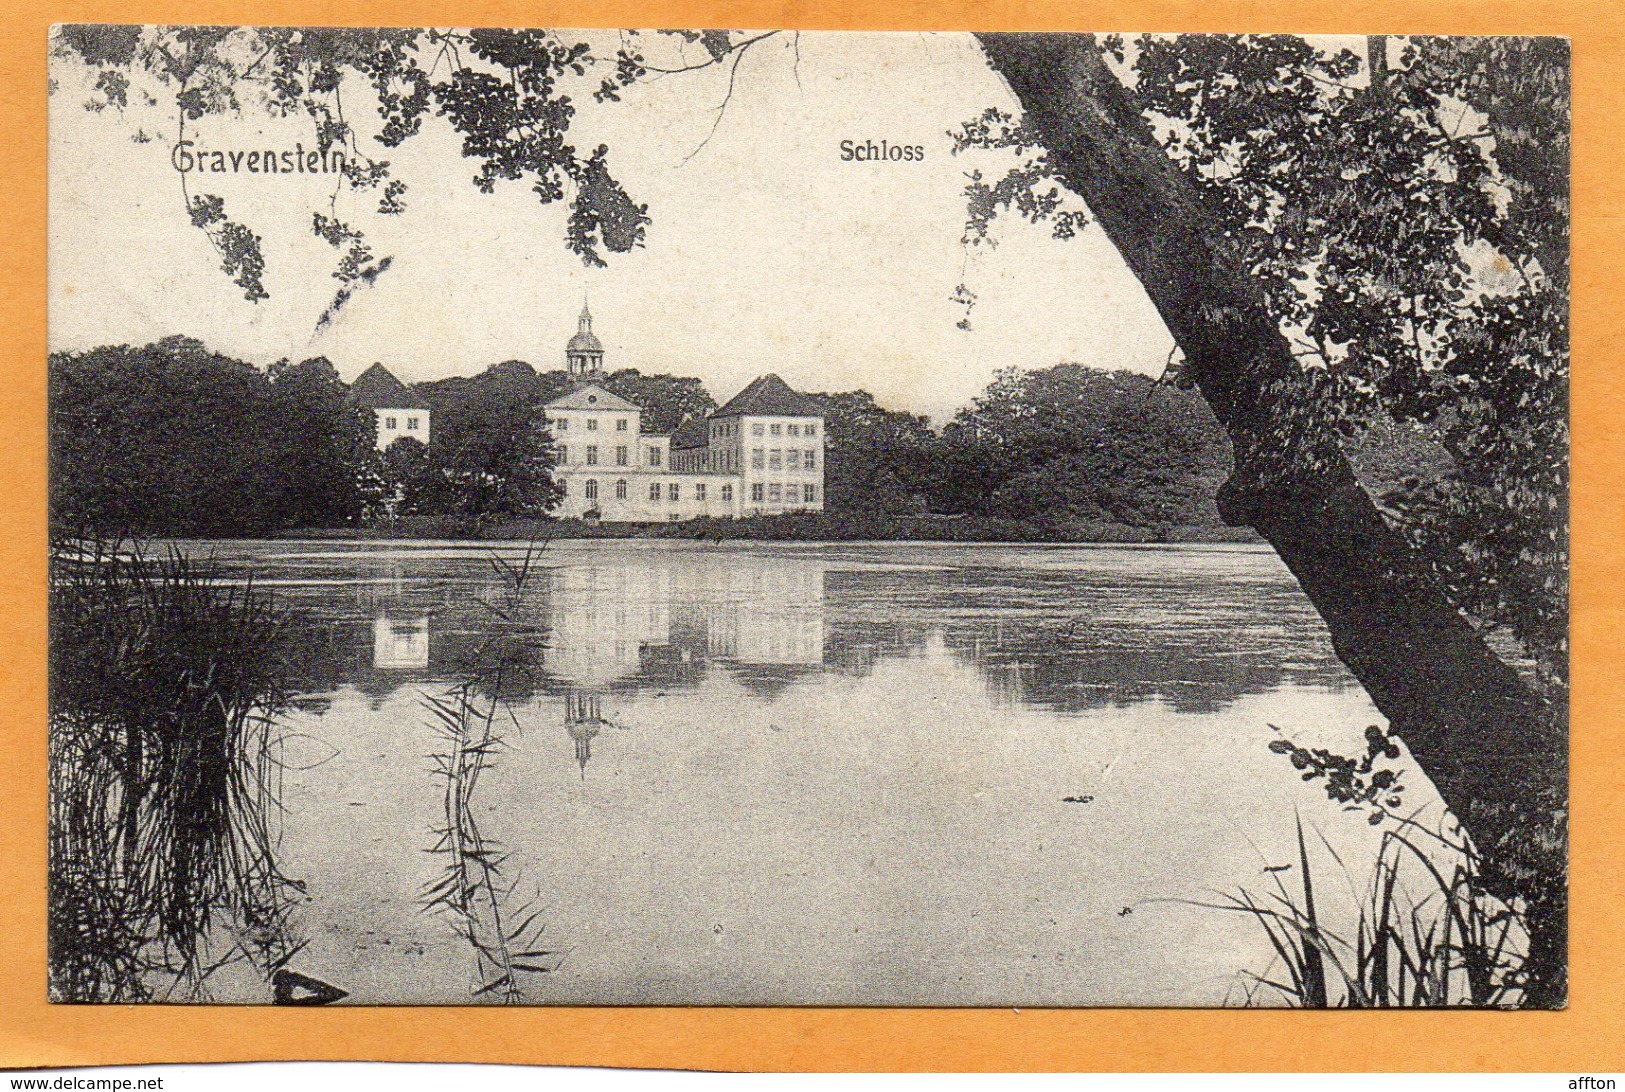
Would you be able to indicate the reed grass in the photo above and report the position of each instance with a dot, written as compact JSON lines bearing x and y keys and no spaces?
{"x":1425,"y":933}
{"x":163,"y":682}
{"x":485,"y":904}
{"x":473,"y":888}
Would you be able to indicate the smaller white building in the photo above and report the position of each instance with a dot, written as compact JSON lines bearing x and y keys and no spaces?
{"x":397,"y":412}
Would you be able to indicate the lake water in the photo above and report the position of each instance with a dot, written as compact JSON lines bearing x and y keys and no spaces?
{"x":754,"y":773}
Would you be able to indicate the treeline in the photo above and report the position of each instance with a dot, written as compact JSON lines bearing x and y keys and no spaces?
{"x":173,"y":439}
{"x":1061,"y":447}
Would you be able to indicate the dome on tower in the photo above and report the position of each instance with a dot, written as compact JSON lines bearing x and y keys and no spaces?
{"x":584,"y":341}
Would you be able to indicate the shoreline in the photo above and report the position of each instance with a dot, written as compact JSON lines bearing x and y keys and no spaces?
{"x":798,"y":528}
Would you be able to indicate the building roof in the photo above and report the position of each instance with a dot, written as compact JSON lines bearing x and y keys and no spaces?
{"x":769,"y":396}
{"x":584,"y":343}
{"x":591,"y":396}
{"x":377,"y":388}
{"x":693,"y":432}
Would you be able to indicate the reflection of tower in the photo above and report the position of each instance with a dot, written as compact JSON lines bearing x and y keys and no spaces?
{"x":582,"y":720}
{"x":584,"y":355}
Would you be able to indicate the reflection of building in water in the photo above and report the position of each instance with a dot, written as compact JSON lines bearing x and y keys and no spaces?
{"x":601,"y":615}
{"x":400,"y":644}
{"x":756,"y":613}
{"x":609,"y":620}
{"x":583,"y":721}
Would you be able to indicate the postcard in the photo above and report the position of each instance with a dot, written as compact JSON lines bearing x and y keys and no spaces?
{"x":769,"y":517}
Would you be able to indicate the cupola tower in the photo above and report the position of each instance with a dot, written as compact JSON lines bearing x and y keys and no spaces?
{"x":584,"y":355}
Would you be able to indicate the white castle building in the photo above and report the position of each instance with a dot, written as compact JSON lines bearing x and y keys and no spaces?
{"x":761,"y":453}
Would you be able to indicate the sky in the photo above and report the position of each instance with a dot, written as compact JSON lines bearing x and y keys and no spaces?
{"x":767,"y":252}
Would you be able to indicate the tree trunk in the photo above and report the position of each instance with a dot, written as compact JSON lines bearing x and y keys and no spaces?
{"x":1495,"y":750}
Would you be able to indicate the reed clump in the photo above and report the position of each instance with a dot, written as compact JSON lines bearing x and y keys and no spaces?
{"x":164,"y":678}
{"x":1425,"y":933}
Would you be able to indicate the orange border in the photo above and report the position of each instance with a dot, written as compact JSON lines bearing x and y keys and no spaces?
{"x":1590,"y":1035}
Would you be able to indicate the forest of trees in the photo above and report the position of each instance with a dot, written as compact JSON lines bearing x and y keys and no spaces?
{"x":173,"y":439}
{"x":1068,"y":448}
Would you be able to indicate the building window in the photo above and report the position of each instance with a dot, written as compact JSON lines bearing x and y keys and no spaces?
{"x":654,"y":456}
{"x":774,"y":429}
{"x":562,"y":423}
{"x":811,"y":493}
{"x":592,"y":455}
{"x":792,"y":494}
{"x":672,"y":491}
{"x":756,"y":429}
{"x":727,"y":492}
{"x":654,"y":491}
{"x":620,"y":489}
{"x":774,"y":494}
{"x":592,"y":424}
{"x":620,"y":424}
{"x":811,"y":430}
{"x":756,"y":456}
{"x":775,"y":459}
{"x":389,"y":422}
{"x":592,"y":489}
{"x":699,"y":490}
{"x":792,"y":459}
{"x":564,"y":487}
{"x":811,"y":461}
{"x":564,"y":453}
{"x":620,"y":455}
{"x":756,"y":492}
{"x":793,"y":430}
{"x":411,"y":424}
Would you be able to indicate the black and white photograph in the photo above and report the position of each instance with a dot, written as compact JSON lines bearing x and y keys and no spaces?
{"x":807,"y":518}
